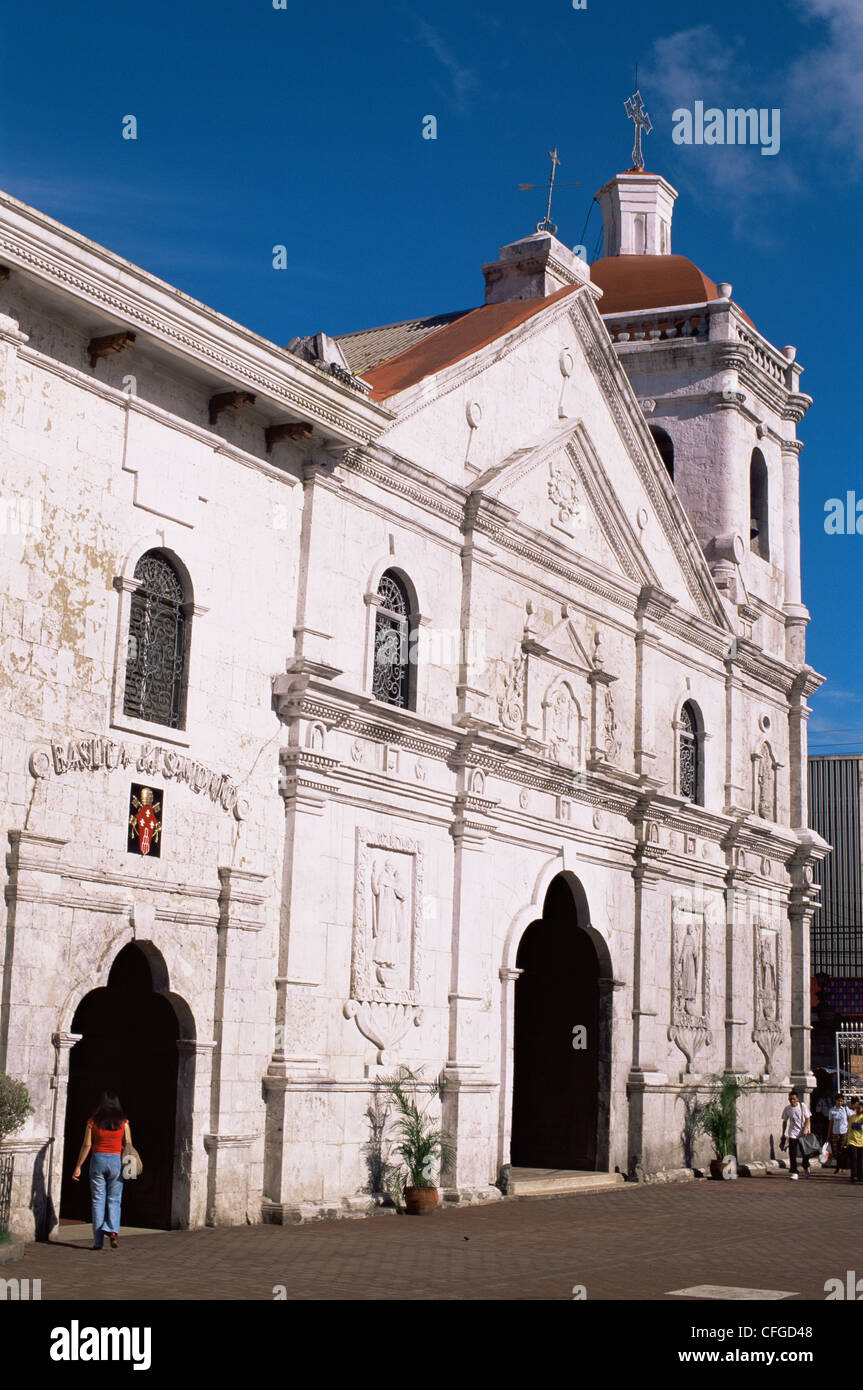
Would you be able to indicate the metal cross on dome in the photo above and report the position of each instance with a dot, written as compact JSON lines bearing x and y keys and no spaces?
{"x":636,"y":112}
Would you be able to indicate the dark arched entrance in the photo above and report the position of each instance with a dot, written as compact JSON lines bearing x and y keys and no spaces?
{"x":555,"y":1104}
{"x":129,"y":1046}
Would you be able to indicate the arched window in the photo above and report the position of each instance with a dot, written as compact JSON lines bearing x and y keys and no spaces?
{"x":391,"y":677}
{"x":665,"y":447}
{"x":158,"y":644}
{"x":690,"y":776}
{"x":759,"y":524}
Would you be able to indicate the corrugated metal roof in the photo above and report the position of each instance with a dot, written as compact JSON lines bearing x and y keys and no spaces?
{"x":372,"y":346}
{"x":460,"y":337}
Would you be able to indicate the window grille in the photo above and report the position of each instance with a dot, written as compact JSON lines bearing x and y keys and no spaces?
{"x":390,"y":681}
{"x":689,"y":780}
{"x":158,"y":642}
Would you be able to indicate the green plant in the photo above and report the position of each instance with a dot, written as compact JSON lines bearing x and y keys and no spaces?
{"x":717,"y":1117}
{"x":375,"y":1152}
{"x":420,"y":1144}
{"x":14,"y":1105}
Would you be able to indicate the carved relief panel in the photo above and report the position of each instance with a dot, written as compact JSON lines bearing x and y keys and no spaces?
{"x":690,"y":978}
{"x":562,"y":723}
{"x":767,"y":965}
{"x":386,"y":956}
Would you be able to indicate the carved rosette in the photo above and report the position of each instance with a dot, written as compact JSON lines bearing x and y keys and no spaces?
{"x":690,"y":979}
{"x":386,"y":954}
{"x":563,"y":494}
{"x":767,"y":966}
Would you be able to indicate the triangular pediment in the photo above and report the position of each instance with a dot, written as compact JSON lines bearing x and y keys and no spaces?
{"x":592,"y":482}
{"x":558,"y":485}
{"x":561,"y":645}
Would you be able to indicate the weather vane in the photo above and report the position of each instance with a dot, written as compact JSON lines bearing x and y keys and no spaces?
{"x":546,"y":225}
{"x":636,"y":112}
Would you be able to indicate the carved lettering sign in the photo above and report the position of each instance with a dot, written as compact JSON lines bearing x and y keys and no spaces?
{"x":94,"y":754}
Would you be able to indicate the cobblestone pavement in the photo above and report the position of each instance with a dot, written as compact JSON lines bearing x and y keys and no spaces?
{"x":635,"y":1242}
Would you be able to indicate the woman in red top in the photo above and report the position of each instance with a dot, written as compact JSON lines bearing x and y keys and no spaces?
{"x":106,"y":1133}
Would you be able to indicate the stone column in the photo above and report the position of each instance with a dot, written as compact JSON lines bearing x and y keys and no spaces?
{"x":194,"y":1082}
{"x":236,"y":1118}
{"x":798,"y":718}
{"x":649,"y":1001}
{"x":37,"y":928}
{"x":47,"y":1220}
{"x":738,"y":964}
{"x":300,"y":1113}
{"x":802,"y":902}
{"x":738,"y":773}
{"x":469,"y":1112}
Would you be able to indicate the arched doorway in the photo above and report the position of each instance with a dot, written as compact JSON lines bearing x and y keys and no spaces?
{"x":129,"y":1045}
{"x":557,"y":1074}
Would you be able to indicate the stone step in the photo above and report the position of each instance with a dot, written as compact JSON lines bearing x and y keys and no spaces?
{"x":545,"y":1182}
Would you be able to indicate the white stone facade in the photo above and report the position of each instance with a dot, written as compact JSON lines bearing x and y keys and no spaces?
{"x":343,"y":883}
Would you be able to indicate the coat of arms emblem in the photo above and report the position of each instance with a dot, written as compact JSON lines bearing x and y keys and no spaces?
{"x":145,"y":820}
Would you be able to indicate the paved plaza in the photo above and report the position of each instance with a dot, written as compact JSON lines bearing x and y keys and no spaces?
{"x":633,"y":1242}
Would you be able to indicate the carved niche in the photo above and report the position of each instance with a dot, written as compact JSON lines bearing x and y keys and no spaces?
{"x":767,"y":964}
{"x":764,"y":769}
{"x":610,"y":733}
{"x":690,"y":979}
{"x":386,"y":955}
{"x":562,"y":723}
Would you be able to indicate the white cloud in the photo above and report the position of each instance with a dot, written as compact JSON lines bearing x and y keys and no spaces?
{"x":827,"y":82}
{"x":700,"y":64}
{"x":463,"y":80}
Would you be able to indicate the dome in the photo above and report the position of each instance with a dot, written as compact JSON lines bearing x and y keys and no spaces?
{"x":630,"y":283}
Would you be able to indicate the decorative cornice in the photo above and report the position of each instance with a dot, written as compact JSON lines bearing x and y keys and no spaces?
{"x":67,"y":261}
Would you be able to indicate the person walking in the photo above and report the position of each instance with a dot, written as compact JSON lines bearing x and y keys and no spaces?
{"x":795,"y":1117}
{"x":837,"y":1131}
{"x":106,"y":1133}
{"x":855,"y":1140}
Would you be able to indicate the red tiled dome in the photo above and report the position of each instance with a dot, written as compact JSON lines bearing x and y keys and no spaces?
{"x":650,"y":282}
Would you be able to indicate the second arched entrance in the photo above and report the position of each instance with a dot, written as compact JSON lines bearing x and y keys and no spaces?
{"x":561,"y":1042}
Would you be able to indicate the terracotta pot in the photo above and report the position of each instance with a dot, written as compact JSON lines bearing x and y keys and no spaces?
{"x":419,"y":1201}
{"x":717,"y":1167}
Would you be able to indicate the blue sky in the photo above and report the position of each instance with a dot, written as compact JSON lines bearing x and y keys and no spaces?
{"x":303,"y":127}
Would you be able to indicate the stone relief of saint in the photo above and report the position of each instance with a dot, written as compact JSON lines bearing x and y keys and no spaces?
{"x":561,"y":715}
{"x":766,"y":787}
{"x":767,"y":966}
{"x":689,"y":972}
{"x":388,"y":897}
{"x":612,"y":742}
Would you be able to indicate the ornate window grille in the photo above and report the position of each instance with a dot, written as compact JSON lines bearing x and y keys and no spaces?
{"x":158,"y":643}
{"x":392,"y":630}
{"x":688,"y":733}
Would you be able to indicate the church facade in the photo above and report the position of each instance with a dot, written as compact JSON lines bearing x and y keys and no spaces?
{"x":433,"y":695}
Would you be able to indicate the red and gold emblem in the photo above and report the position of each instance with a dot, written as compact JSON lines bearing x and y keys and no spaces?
{"x":145,"y":820}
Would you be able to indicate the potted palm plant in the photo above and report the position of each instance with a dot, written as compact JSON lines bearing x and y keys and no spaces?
{"x":14,"y":1109}
{"x":422,"y":1147}
{"x":717,"y":1118}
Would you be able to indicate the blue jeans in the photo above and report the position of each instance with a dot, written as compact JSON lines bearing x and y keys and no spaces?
{"x":106,"y":1191}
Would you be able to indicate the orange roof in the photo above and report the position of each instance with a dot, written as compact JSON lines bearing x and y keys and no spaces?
{"x":460,"y":339}
{"x":651,"y":282}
